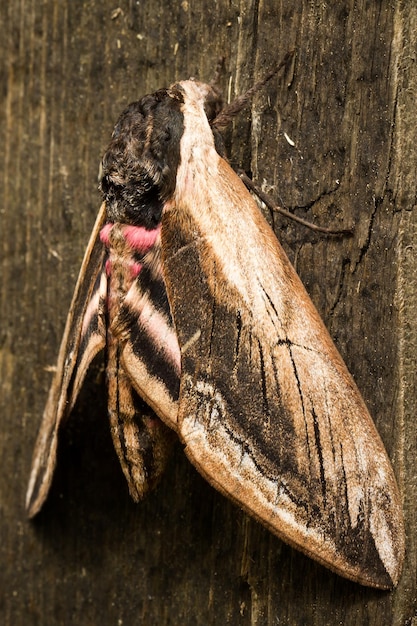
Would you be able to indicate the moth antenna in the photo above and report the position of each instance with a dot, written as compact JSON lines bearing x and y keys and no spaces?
{"x":226,"y":115}
{"x":275,"y":207}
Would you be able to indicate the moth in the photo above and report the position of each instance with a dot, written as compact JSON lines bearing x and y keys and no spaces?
{"x":210,"y":335}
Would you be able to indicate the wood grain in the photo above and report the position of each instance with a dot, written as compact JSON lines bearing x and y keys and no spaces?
{"x":186,"y":555}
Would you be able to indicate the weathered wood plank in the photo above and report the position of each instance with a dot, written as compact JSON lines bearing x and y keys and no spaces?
{"x":186,"y":555}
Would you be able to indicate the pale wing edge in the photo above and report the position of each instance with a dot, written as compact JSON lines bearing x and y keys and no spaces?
{"x":73,"y":361}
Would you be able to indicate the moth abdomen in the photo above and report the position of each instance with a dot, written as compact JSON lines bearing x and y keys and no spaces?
{"x":139,"y":316}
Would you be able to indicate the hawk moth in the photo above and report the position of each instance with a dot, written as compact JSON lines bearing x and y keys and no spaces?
{"x":211,"y":335}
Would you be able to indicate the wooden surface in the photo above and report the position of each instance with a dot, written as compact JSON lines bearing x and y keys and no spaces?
{"x":186,"y":555}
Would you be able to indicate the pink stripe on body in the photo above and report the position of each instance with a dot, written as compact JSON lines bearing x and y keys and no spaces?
{"x":137,"y":237}
{"x":105,"y":234}
{"x":141,"y":239}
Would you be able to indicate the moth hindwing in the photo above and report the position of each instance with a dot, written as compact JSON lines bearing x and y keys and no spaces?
{"x":210,"y":334}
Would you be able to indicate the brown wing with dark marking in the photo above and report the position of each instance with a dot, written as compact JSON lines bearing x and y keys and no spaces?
{"x":84,"y":337}
{"x":268,"y":411}
{"x":130,"y":317}
{"x":149,"y":347}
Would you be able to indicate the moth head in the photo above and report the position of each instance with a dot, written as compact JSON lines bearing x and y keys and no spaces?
{"x":198,"y":98}
{"x":139,"y":166}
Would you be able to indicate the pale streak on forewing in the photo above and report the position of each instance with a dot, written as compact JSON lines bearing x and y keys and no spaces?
{"x":155,"y":325}
{"x":230,"y":245}
{"x":191,"y":341}
{"x":274,"y":507}
{"x":151,"y":389}
{"x":94,"y":304}
{"x":272,"y":502}
{"x":267,"y":498}
{"x":97,"y":340}
{"x":379,"y":528}
{"x":44,"y":458}
{"x":239,"y":246}
{"x":330,"y":434}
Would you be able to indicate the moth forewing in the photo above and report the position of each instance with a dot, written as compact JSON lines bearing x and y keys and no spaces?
{"x":267,"y":409}
{"x":80,"y":343}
